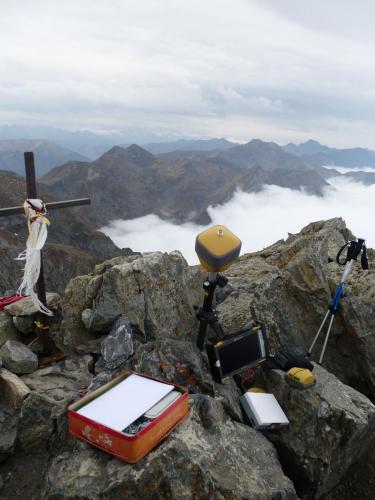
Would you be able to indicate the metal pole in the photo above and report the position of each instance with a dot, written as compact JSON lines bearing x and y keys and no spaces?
{"x":326,"y":339}
{"x":317,"y":335}
{"x":332,"y":310}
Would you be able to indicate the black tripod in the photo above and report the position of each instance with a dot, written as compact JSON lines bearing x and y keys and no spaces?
{"x":207,"y":314}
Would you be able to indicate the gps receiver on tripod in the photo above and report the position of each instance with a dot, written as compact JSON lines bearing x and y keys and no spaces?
{"x":355,"y":248}
{"x":217,"y":248}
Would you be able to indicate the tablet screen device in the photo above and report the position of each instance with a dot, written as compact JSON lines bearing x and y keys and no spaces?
{"x":245,"y":348}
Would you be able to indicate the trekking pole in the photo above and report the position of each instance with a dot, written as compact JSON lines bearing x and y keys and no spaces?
{"x":354,"y":249}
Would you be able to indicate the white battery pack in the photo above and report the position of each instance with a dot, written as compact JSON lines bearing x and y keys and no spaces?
{"x":263,"y":410}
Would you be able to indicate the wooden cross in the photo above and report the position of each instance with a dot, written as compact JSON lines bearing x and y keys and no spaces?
{"x":42,"y":327}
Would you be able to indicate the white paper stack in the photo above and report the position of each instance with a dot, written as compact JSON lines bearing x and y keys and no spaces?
{"x":125,"y":402}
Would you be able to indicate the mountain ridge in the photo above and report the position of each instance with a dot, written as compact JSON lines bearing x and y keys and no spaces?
{"x":319,"y":155}
{"x":131,"y":182}
{"x":47,"y":155}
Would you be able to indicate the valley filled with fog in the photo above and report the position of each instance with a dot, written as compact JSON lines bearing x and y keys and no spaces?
{"x":259,"y":219}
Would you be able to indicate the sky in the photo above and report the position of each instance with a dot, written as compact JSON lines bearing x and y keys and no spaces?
{"x":258,"y":219}
{"x":278,"y":70}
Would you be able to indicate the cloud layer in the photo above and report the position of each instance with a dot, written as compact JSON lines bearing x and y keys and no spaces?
{"x":259,"y":219}
{"x":277,"y":70}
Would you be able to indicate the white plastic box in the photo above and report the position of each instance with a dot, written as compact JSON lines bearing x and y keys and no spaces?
{"x":263,"y":410}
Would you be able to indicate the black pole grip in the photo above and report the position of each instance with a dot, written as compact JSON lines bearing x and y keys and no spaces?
{"x":354,"y":249}
{"x":364,"y":260}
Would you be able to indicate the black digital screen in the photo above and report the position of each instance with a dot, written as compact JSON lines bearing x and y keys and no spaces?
{"x":239,"y":352}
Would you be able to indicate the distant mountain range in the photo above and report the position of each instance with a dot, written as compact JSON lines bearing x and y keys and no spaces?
{"x":86,"y":143}
{"x":184,"y":178}
{"x":91,"y":145}
{"x":47,"y":155}
{"x":187,"y":145}
{"x":178,"y":182}
{"x":128,"y":183}
{"x":318,"y":155}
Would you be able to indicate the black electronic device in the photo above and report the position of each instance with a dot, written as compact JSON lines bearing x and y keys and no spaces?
{"x":232,"y":353}
{"x":285,"y":360}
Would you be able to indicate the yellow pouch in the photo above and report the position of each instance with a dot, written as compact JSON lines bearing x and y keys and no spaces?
{"x":302,"y":378}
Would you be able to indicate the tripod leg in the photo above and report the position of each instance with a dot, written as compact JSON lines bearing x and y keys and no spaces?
{"x":317,"y":335}
{"x":326,"y":340}
{"x":209,"y":290}
{"x":201,"y":334}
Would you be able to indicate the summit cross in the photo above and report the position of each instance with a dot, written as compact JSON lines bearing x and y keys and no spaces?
{"x":31,"y":189}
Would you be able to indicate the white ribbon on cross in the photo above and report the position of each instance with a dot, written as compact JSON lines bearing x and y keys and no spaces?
{"x":37,"y":224}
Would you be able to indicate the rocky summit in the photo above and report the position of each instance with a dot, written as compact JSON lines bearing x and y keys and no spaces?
{"x":137,"y":313}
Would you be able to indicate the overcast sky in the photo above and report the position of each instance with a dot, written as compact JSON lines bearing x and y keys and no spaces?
{"x":279,"y":70}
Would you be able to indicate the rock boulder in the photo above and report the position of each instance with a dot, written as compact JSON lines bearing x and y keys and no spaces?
{"x":7,"y":329}
{"x":43,"y":417}
{"x":155,"y":291}
{"x":12,"y":389}
{"x":18,"y":358}
{"x":117,"y":346}
{"x":288,"y":286}
{"x":205,"y":457}
{"x":26,"y":307}
{"x":330,"y":427}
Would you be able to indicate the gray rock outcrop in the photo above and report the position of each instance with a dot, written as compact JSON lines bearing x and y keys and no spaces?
{"x":212,"y":454}
{"x":155,"y":291}
{"x":24,"y":324}
{"x":330,"y":425}
{"x":13,"y":389}
{"x":8,"y":431}
{"x":18,"y":358}
{"x":206,"y":457}
{"x":288,"y":286}
{"x":117,"y":346}
{"x":7,"y":329}
{"x":43,"y":419}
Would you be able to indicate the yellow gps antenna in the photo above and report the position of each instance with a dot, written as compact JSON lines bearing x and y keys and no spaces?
{"x":217,"y":248}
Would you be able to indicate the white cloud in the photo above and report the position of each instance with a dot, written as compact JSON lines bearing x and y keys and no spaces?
{"x":346,"y":170}
{"x":259,"y":219}
{"x":238,"y":69}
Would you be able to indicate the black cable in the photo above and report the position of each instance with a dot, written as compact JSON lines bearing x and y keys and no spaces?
{"x":340,"y":263}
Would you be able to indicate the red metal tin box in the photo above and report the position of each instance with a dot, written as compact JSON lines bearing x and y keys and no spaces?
{"x":126,"y":447}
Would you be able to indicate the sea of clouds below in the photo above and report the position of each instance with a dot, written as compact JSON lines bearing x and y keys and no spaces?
{"x":346,"y":170}
{"x":259,"y":219}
